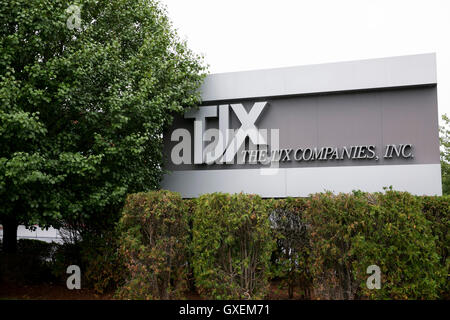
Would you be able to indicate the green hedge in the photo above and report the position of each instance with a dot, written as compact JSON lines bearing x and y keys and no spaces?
{"x":232,"y":244}
{"x":353,"y":231}
{"x":154,"y":245}
{"x":437,"y":211}
{"x":31,"y":265}
{"x":228,"y":246}
{"x":291,"y":259}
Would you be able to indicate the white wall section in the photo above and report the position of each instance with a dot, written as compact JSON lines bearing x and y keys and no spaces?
{"x":423,"y":179}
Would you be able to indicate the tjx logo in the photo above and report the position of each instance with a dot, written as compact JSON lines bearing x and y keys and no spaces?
{"x":224,"y":142}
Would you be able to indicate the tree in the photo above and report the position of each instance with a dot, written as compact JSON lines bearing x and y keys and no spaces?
{"x":86,"y":92}
{"x":444,"y":138}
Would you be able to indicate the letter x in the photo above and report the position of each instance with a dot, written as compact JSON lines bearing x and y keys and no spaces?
{"x":247,"y":128}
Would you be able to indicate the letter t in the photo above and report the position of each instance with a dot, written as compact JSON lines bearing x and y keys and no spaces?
{"x":200,"y":116}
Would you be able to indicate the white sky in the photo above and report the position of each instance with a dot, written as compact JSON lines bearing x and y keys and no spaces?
{"x":236,"y":35}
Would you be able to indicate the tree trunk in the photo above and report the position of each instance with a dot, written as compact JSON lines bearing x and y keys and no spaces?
{"x":10,"y":235}
{"x":290,"y":290}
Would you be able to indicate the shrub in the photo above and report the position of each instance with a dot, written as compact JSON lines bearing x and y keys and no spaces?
{"x":66,"y":254}
{"x":403,"y":244}
{"x":437,"y":211}
{"x":154,"y":244}
{"x":30,"y":265}
{"x":105,"y":269}
{"x":291,"y":232}
{"x":35,"y":247}
{"x":102,"y":268}
{"x":352,"y":231}
{"x":231,"y":246}
{"x":334,"y":222}
{"x":190,"y":206}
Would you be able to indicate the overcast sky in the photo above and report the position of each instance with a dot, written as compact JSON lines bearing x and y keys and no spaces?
{"x":236,"y":35}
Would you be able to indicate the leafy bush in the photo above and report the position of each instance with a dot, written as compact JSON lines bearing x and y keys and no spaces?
{"x":154,"y":244}
{"x":232,"y":245}
{"x":98,"y":258}
{"x":190,"y":206}
{"x":291,"y":258}
{"x":30,"y":265}
{"x":105,"y":269}
{"x":437,"y":211}
{"x":334,"y":220}
{"x":324,"y":245}
{"x":41,"y":249}
{"x":353,"y":231}
{"x":66,"y":254}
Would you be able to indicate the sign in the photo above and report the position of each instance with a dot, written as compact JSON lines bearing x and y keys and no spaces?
{"x":359,"y":125}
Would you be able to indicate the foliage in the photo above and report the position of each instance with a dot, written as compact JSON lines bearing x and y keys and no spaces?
{"x":444,"y":139}
{"x":437,"y":211}
{"x":66,"y":254}
{"x":104,"y":267}
{"x":232,"y":245}
{"x":44,"y":250}
{"x":290,"y":262}
{"x":82,"y":112}
{"x":190,"y":207}
{"x":353,"y":231}
{"x":333,"y":221}
{"x":32,"y":263}
{"x":154,"y":242}
{"x":324,"y":245}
